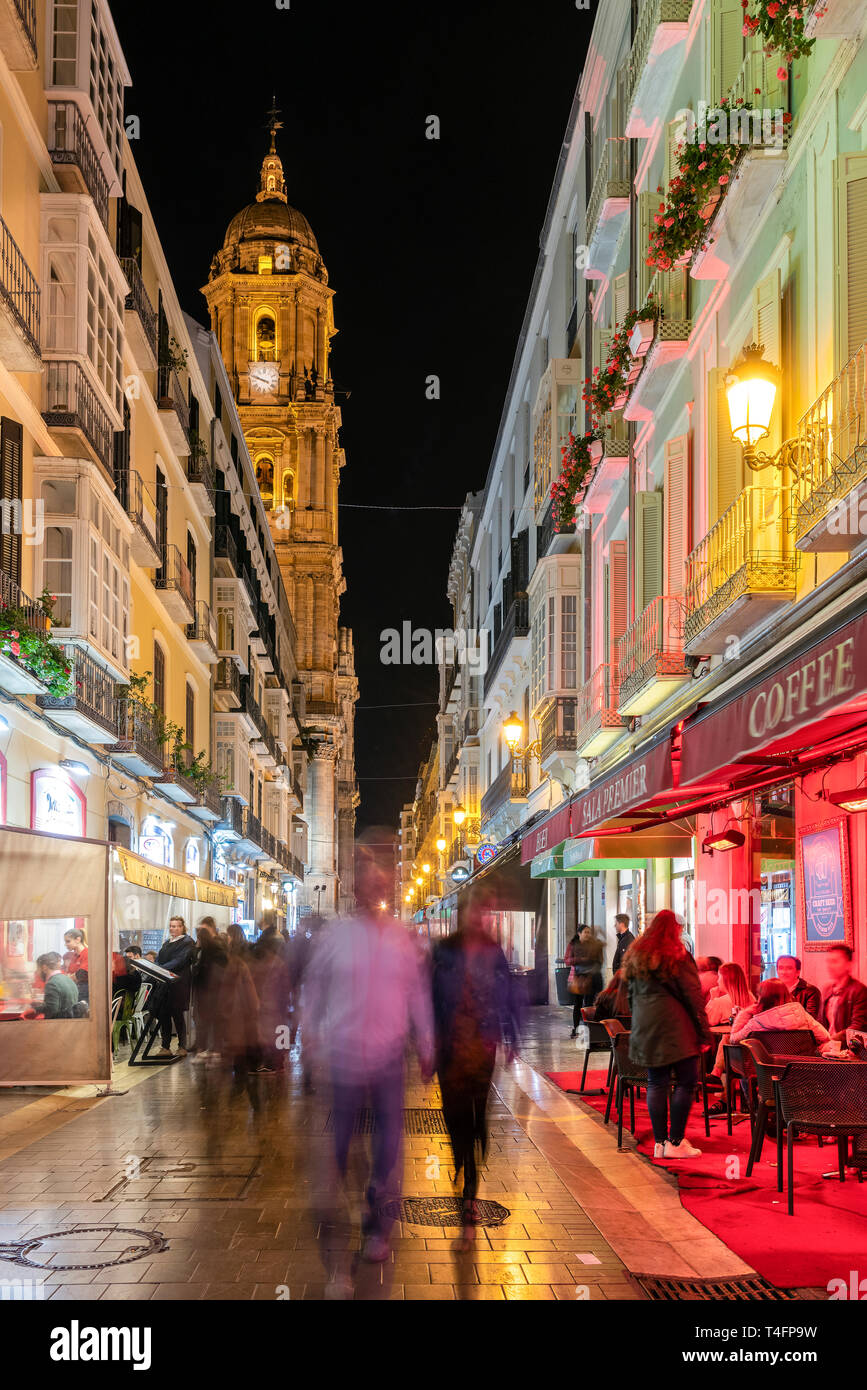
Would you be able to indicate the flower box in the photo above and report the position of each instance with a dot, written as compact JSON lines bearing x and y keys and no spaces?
{"x":641,"y":337}
{"x":620,"y":400}
{"x":15,"y":679}
{"x":595,"y":452}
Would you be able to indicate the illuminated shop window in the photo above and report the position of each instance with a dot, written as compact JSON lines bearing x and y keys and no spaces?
{"x":155,"y":843}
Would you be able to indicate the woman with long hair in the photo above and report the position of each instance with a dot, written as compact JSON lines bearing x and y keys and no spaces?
{"x":735,"y":994}
{"x":669,"y":1029}
{"x":775,"y":1009}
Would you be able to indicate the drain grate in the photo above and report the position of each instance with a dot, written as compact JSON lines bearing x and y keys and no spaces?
{"x":159,"y":1178}
{"x":418,"y":1121}
{"x":744,"y":1290}
{"x":442,"y":1211}
{"x":30,"y":1254}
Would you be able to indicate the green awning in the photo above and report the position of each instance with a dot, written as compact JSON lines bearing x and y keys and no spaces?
{"x":580,"y":857}
{"x":548,"y":865}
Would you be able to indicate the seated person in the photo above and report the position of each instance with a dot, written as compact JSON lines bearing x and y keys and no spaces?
{"x":788,"y":969}
{"x":734,"y":995}
{"x":775,"y":1009}
{"x":61,"y":991}
{"x":708,"y":974}
{"x":613,"y":1002}
{"x":844,"y":1000}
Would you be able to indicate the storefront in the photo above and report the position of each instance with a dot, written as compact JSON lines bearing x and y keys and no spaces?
{"x":516,"y":909}
{"x":145,"y":896}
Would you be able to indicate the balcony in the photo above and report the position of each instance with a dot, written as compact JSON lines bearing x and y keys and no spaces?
{"x":202,"y":634}
{"x":72,"y":409}
{"x":231,"y":824}
{"x":834,"y":19}
{"x":140,"y":319}
{"x":512,"y":785}
{"x":598,"y":722}
{"x":226,"y":550}
{"x":15,"y":678}
{"x":89,"y":711}
{"x":655,"y":62}
{"x":756,"y":174}
{"x":76,"y":163}
{"x":139,"y":748}
{"x":548,"y":540}
{"x":18,"y":34}
{"x":141,"y":509}
{"x":200,"y":476}
{"x":741,"y":573}
{"x":671,"y":291}
{"x":174,"y":782}
{"x":175,"y":583}
{"x":451,"y":767}
{"x":607,"y":208}
{"x":449,"y":691}
{"x":611,"y":464}
{"x":516,"y":625}
{"x":174,"y":410}
{"x":19,"y":308}
{"x":209,"y":807}
{"x":832,"y":464}
{"x":262,"y":742}
{"x":557,"y":730}
{"x":227,"y":685}
{"x":650,"y":656}
{"x":252,"y":833}
{"x":471,"y":724}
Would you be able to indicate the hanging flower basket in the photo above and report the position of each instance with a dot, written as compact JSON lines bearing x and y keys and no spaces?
{"x":781,"y":25}
{"x":569,"y":488}
{"x":609,"y":385}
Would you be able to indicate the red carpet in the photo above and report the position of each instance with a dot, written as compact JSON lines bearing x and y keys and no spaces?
{"x":824,"y":1240}
{"x":571,"y":1080}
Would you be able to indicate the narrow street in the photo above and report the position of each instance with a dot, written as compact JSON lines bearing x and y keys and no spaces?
{"x":242,"y":1195}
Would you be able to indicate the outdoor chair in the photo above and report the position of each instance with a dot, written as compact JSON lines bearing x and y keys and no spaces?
{"x":736,"y":1069}
{"x":792,"y":1042}
{"x":597,"y":1041}
{"x":121,"y":1021}
{"x":630,"y":1078}
{"x":824,"y":1098}
{"x":766,"y":1069}
{"x":613,"y":1027}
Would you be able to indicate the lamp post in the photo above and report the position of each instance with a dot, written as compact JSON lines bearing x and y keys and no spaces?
{"x":319,"y":889}
{"x":751,"y":390}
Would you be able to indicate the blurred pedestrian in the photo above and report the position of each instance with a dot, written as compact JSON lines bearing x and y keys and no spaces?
{"x":237,"y":1014}
{"x":365,"y":996}
{"x":208,"y":964}
{"x":176,"y":955}
{"x":474,"y":1011}
{"x":584,"y":958}
{"x":299,"y":954}
{"x":669,"y":1029}
{"x":270,"y":972}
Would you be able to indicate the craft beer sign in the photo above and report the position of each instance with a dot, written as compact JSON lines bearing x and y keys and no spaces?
{"x":823,"y":852}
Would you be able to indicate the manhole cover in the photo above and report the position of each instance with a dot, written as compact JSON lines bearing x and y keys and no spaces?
{"x":419,"y":1121}
{"x":745,"y":1290}
{"x":442,"y":1211}
{"x":47,"y":1251}
{"x":159,"y":1178}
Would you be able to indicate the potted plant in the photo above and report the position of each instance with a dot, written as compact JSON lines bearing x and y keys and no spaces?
{"x":172,"y":356}
{"x":32,"y":649}
{"x":782,"y":26}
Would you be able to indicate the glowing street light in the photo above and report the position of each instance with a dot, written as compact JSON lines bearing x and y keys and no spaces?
{"x":513,"y":728}
{"x":751,"y":389}
{"x":459,"y":815}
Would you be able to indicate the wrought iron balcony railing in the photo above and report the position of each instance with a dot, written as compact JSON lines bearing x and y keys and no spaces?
{"x":227,"y":677}
{"x":597,"y":719}
{"x":138,"y":301}
{"x":11,"y":596}
{"x":174,"y":578}
{"x":138,"y":731}
{"x":202,"y":628}
{"x":170,"y":396}
{"x":69,"y":144}
{"x":832,"y":455}
{"x":140,"y":507}
{"x":225,"y":546}
{"x":746,"y":552}
{"x":26,"y":11}
{"x":515,"y":623}
{"x":19,"y":289}
{"x":72,"y":403}
{"x":92,"y":691}
{"x":651,"y":14}
{"x":512,"y":784}
{"x":651,"y":651}
{"x":471,"y":723}
{"x":611,"y":180}
{"x":558,"y":725}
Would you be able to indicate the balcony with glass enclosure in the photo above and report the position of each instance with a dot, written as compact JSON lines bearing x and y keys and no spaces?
{"x":607,"y":207}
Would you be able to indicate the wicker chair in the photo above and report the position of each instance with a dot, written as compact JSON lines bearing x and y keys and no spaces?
{"x":630,"y":1077}
{"x":821,"y":1097}
{"x":767,"y":1069}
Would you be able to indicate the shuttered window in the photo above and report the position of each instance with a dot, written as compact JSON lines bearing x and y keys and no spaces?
{"x":190,"y":718}
{"x":767,"y":330}
{"x":568,"y":641}
{"x":159,"y":678}
{"x":852,"y":253}
{"x":726,"y":47}
{"x":725,"y":455}
{"x":677,"y":513}
{"x":648,"y":549}
{"x":620,"y":299}
{"x":647,"y":206}
{"x":618,"y":595}
{"x":11,"y":445}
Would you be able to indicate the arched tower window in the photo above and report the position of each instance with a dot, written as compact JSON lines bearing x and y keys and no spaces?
{"x":265,"y":478}
{"x":288,"y":497}
{"x":266,"y":337}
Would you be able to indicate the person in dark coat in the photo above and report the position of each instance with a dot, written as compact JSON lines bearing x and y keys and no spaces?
{"x":669,"y":1029}
{"x":625,"y":938}
{"x":844,"y":1000}
{"x":176,"y":955}
{"x":474,"y":1011}
{"x":584,"y":956}
{"x":207,"y":966}
{"x":788,"y":969}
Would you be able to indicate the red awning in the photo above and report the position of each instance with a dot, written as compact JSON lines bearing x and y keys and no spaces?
{"x":550,"y":832}
{"x":812,"y":699}
{"x":640,"y":785}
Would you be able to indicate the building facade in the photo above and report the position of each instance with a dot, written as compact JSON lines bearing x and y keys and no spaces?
{"x":271,"y":311}
{"x":677,"y":627}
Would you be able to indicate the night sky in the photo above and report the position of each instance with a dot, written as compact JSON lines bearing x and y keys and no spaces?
{"x":430,"y":247}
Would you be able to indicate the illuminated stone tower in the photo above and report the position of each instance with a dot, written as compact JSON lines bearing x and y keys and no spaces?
{"x":271,"y":310}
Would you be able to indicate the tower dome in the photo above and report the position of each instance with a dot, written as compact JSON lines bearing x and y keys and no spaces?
{"x":270,"y":217}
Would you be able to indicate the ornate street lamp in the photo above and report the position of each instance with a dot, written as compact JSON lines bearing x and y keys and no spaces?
{"x":513,"y":728}
{"x":459,"y":815}
{"x":751,"y":390}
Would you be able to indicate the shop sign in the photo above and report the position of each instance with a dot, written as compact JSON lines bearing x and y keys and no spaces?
{"x":548,"y":835}
{"x":460,"y":873}
{"x":823,"y":852}
{"x":638,"y":781}
{"x":217,"y":894}
{"x":485,"y":853}
{"x":57,"y":804}
{"x":831,"y":674}
{"x":155,"y":876}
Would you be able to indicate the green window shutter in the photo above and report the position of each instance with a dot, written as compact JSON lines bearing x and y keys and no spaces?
{"x":618,"y":595}
{"x":725,"y":455}
{"x":726,"y":47}
{"x":852,"y":254}
{"x":648,"y":549}
{"x":620,"y":299}
{"x":11,"y":451}
{"x":677,"y":513}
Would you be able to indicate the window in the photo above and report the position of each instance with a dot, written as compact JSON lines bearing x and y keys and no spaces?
{"x":64,"y":43}
{"x":159,"y":679}
{"x":265,"y":478}
{"x":266,"y":336}
{"x":191,"y":563}
{"x":190,"y":719}
{"x":568,"y":641}
{"x":288,"y":488}
{"x":266,"y":263}
{"x":11,"y":442}
{"x":58,"y":572}
{"x":552,"y":643}
{"x":537,"y":644}
{"x":106,"y":88}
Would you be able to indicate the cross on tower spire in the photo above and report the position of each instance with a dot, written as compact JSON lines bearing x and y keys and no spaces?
{"x":271,"y":182}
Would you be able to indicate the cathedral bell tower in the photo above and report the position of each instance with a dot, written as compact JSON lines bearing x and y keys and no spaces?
{"x":272,"y":313}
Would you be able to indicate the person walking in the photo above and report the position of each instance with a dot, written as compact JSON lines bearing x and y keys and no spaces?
{"x":237,"y":1014}
{"x":625,"y":938}
{"x":584,"y":958}
{"x":207,"y":966}
{"x":364,"y":997}
{"x":669,"y":1029}
{"x":176,"y":955}
{"x":474,"y":1011}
